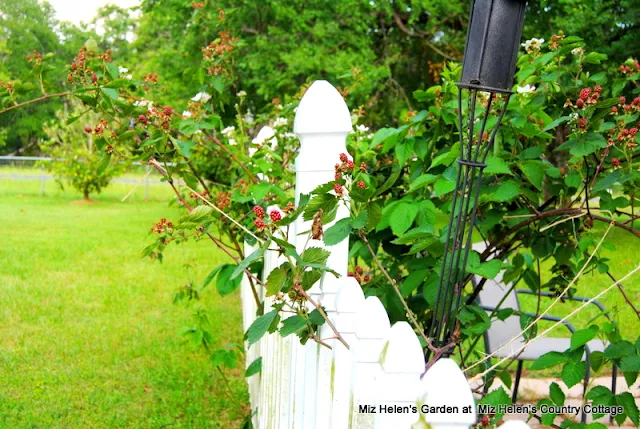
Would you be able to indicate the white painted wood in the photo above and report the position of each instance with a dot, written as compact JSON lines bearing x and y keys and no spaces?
{"x":348,"y":300}
{"x":322,"y":123}
{"x":514,"y":424}
{"x":402,"y":362}
{"x":445,"y":385}
{"x":371,"y":325}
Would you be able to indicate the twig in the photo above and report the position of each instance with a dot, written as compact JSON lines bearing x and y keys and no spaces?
{"x":323,"y":314}
{"x":410,"y":315}
{"x":35,"y":100}
{"x":626,"y":298}
{"x":235,"y":158}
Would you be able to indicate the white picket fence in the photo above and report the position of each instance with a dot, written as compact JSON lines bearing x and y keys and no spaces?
{"x":312,"y":387}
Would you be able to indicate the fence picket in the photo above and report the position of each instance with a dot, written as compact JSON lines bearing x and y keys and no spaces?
{"x":402,"y":362}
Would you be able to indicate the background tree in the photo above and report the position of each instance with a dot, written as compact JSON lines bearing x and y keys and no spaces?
{"x":78,"y":154}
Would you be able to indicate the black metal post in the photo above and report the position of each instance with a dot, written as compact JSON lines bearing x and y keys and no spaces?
{"x":493,"y":39}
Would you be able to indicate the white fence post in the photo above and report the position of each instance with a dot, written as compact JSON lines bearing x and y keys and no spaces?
{"x":372,"y":326}
{"x":402,"y":362}
{"x":348,"y":301}
{"x":444,"y":385}
{"x":322,"y":123}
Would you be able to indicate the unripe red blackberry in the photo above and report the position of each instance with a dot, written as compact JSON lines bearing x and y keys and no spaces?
{"x":94,"y":78}
{"x":361,"y":184}
{"x":350,"y":165}
{"x":258,"y":211}
{"x":338,"y":176}
{"x":584,"y":93}
{"x":359,"y":270}
{"x":88,"y":130}
{"x":343,"y":157}
{"x":142,"y":119}
{"x":485,"y":421}
{"x":259,"y":223}
{"x":580,"y":103}
{"x":338,"y":189}
{"x":275,"y":215}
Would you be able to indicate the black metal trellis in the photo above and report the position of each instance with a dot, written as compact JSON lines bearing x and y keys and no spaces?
{"x":493,"y":39}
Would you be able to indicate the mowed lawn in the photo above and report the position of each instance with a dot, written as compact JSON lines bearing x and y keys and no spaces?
{"x":89,"y":337}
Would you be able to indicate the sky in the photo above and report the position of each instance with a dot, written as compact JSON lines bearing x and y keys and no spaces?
{"x":84,"y":10}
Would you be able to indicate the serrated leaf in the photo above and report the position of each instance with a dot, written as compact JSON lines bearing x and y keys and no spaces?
{"x":337,"y":232}
{"x":259,"y":327}
{"x":225,"y":284}
{"x":110,"y":92}
{"x":630,"y":363}
{"x":582,"y":337}
{"x":212,"y":275}
{"x":627,"y":400}
{"x":254,"y":368}
{"x":619,"y":349}
{"x":496,"y":165}
{"x":556,"y":394}
{"x":292,"y":324}
{"x":422,"y":181}
{"x":573,"y":373}
{"x":361,"y":220}
{"x":277,"y":279}
{"x":315,"y":255}
{"x":402,"y":217}
{"x":247,"y":261}
{"x":534,"y":172}
{"x":548,"y":360}
{"x":588,"y":145}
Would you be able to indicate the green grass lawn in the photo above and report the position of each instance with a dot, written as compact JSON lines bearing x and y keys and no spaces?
{"x":89,"y":337}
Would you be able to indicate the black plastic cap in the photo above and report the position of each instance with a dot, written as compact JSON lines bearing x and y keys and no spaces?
{"x":493,"y":40}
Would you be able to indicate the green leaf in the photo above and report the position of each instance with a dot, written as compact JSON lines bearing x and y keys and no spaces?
{"x":254,"y":368}
{"x":588,"y":145}
{"x":556,"y":394}
{"x":612,"y":178}
{"x":630,"y":363}
{"x":225,"y":284}
{"x":277,"y":279}
{"x":496,"y":398}
{"x":292,"y":324}
{"x":619,"y":349}
{"x":315,"y":255}
{"x":627,"y":400}
{"x":247,"y":261}
{"x":110,"y":92}
{"x":595,"y":57}
{"x":324,"y":202}
{"x":412,"y":281}
{"x":402,"y":217}
{"x":361,"y":220}
{"x":496,"y":165}
{"x":422,"y":181}
{"x":446,"y":158}
{"x":259,"y":327}
{"x":382,"y":135}
{"x":337,"y":232}
{"x":507,"y":191}
{"x":443,"y":187}
{"x":548,"y":360}
{"x":212,"y":275}
{"x":560,"y":120}
{"x":573,"y":373}
{"x":197,"y":215}
{"x":489,"y":269}
{"x":583,"y":336}
{"x":534,"y":171}
{"x":184,"y":147}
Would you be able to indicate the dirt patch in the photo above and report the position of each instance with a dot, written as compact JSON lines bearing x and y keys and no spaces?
{"x":83,"y":202}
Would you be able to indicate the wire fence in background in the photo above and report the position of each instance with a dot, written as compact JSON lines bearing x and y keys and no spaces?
{"x":34,"y":168}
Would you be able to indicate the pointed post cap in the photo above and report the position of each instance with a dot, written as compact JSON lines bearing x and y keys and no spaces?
{"x":322,"y":110}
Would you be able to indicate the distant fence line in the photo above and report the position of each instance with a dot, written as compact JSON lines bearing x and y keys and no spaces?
{"x":44,"y":177}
